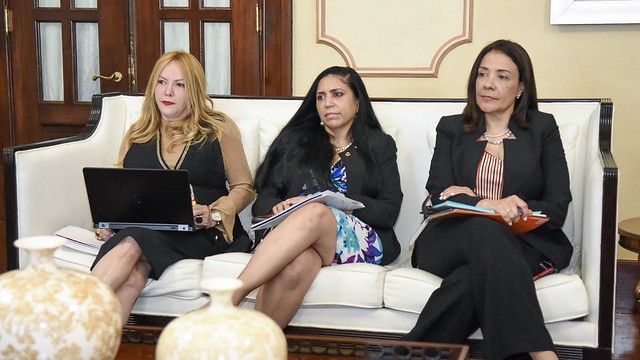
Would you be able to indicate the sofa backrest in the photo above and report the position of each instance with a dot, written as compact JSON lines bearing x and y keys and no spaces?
{"x":411,"y":123}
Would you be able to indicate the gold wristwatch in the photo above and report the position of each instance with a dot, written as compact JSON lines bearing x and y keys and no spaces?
{"x":215,"y":215}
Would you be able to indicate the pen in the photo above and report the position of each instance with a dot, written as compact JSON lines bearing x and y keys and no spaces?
{"x":193,"y":196}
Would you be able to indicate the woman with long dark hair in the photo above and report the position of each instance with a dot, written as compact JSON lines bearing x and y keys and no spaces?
{"x":333,"y":142}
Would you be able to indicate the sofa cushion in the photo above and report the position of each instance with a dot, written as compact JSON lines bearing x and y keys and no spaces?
{"x":393,"y":131}
{"x":561,"y":296}
{"x":569,"y":136}
{"x":355,"y":285}
{"x":397,"y":284}
{"x":268,"y":132}
{"x":74,"y":259}
{"x":180,"y":280}
{"x":250,"y":140}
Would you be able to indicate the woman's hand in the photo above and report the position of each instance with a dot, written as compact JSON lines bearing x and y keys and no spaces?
{"x":455,"y":190}
{"x":202,"y":216}
{"x":511,"y":208}
{"x":283,"y":205}
{"x":104,"y":234}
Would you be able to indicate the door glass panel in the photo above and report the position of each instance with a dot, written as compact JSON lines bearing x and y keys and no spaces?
{"x":87,"y":60}
{"x":85,"y":4}
{"x":176,"y":36}
{"x":175,"y":3}
{"x":50,"y":50}
{"x":216,"y":3}
{"x":48,"y":3}
{"x":217,"y":58}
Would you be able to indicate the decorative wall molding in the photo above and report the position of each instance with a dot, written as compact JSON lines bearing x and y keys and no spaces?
{"x":564,"y":12}
{"x":408,"y":38}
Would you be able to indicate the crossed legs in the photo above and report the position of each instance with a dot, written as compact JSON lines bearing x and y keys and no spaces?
{"x":288,"y":260}
{"x":125,"y":271}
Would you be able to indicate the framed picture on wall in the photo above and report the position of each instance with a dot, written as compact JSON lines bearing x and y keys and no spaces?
{"x":566,"y":12}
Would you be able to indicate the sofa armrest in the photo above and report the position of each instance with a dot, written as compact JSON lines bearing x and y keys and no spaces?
{"x":599,"y":224}
{"x":44,"y":183}
{"x":608,"y":245}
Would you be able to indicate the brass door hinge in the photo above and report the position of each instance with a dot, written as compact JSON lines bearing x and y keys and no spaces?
{"x":8,"y":20}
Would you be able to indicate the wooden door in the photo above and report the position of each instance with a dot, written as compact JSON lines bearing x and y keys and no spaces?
{"x":222,"y":34}
{"x":5,"y":131}
{"x":56,"y":47}
{"x":244,"y":45}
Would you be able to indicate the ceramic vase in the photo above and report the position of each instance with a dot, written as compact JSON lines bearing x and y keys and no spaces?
{"x":222,"y":331}
{"x":51,"y":313}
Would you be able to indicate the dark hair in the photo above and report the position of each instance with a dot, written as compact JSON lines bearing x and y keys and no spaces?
{"x":303,"y":148}
{"x":528,"y":99}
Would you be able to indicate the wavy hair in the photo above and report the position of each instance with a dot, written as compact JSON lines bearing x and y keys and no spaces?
{"x":303,"y":148}
{"x":528,"y":99}
{"x":201,"y":121}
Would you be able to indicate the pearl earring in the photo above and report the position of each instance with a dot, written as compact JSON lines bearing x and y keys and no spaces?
{"x":518,"y":96}
{"x":321,"y":123}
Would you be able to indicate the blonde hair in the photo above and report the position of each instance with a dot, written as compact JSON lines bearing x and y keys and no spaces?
{"x":201,"y":120}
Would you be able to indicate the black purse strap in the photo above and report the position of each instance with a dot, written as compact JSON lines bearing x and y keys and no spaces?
{"x":426,"y":204}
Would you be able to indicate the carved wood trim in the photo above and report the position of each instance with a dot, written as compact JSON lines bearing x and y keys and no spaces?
{"x":429,"y":70}
{"x":609,"y":228}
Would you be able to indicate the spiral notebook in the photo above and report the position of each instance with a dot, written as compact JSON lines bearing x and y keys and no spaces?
{"x":150,"y":198}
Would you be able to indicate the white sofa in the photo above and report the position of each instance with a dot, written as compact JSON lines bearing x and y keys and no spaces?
{"x":45,"y":191}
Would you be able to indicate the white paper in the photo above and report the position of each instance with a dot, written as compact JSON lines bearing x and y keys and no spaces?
{"x":330,"y":198}
{"x":80,"y":239}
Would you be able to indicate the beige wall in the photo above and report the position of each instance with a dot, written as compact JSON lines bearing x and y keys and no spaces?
{"x":571,"y":61}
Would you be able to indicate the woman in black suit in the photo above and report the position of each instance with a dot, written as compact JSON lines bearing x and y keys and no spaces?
{"x":333,"y":142}
{"x":503,"y":154}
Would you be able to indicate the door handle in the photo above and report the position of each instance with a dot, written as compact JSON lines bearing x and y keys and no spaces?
{"x":115,"y":77}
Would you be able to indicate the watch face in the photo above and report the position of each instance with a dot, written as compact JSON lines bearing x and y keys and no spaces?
{"x":216,"y":216}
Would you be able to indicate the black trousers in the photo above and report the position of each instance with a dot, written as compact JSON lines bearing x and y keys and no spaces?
{"x":487,"y":274}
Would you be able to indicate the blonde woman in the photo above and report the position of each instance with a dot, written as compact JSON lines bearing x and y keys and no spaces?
{"x":178,"y":129}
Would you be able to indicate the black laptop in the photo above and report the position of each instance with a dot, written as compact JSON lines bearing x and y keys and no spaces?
{"x":149,"y":198}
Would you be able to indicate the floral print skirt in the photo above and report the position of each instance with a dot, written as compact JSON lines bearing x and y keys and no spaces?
{"x":356,"y":242}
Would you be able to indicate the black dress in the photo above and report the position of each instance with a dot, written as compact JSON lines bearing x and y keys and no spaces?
{"x":207,"y":177}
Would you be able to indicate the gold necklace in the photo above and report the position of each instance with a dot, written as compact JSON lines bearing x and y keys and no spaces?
{"x":341,"y":149}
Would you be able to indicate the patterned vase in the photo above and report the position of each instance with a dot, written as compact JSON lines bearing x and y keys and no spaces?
{"x":222,"y":331}
{"x":51,"y":313}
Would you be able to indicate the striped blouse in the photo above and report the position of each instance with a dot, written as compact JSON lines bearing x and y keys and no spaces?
{"x":490,"y":177}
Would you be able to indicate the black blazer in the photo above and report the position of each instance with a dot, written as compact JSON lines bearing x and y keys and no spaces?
{"x":535,"y":169}
{"x":381,"y":210}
